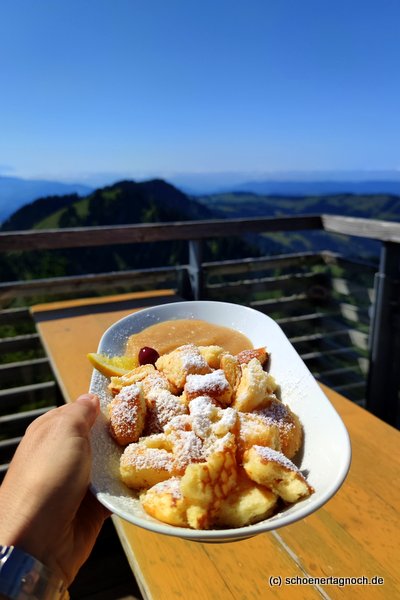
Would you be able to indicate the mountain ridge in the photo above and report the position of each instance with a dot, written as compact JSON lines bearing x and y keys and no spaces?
{"x":122,"y":202}
{"x":16,"y":192}
{"x":324,"y":187}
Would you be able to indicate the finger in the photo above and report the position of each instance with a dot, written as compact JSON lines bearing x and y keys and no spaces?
{"x":65,"y":422}
{"x":90,"y":402}
{"x":82,"y":413}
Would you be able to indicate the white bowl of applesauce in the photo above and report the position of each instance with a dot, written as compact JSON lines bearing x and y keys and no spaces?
{"x":249,"y":479}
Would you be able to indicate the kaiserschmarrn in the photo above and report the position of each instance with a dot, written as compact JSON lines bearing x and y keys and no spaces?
{"x":207,"y":443}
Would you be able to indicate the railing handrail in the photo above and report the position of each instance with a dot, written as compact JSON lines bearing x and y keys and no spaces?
{"x":383,"y":231}
{"x":78,"y":237}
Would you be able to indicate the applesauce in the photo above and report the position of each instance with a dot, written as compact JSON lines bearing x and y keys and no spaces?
{"x":168,"y":335}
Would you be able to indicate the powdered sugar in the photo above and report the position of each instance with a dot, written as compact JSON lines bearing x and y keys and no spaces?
{"x":221,"y":444}
{"x":178,"y":423}
{"x":277,"y":413}
{"x":269,"y":454}
{"x":202,"y":412}
{"x":169,"y":486}
{"x":124,"y":413}
{"x":227,"y":421}
{"x":128,"y":392}
{"x":154,"y":382}
{"x":165,"y":406}
{"x":188,"y":448}
{"x":191,"y":358}
{"x":210,"y":383}
{"x":148,"y":458}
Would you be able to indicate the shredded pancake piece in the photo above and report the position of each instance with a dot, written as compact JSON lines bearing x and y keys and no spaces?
{"x":180,"y":363}
{"x":276,"y":472}
{"x":214,"y":385}
{"x":256,"y":387}
{"x":127,"y":414}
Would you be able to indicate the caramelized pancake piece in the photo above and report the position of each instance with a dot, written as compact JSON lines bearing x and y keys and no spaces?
{"x":260,"y":354}
{"x":231,"y":367}
{"x":212,"y":355}
{"x":248,"y":503}
{"x":214,"y":385}
{"x":203,"y":413}
{"x":165,"y":502}
{"x":127,"y":414}
{"x":255,"y":389}
{"x":186,"y":445}
{"x":290,"y":428}
{"x":155,"y":382}
{"x":178,"y":423}
{"x":180,"y":363}
{"x":276,"y":472}
{"x":253,"y":430}
{"x":160,"y":456}
{"x":148,"y":462}
{"x":226,"y":423}
{"x":134,"y":376}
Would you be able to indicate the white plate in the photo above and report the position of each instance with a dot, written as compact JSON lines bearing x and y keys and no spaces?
{"x":326,"y":453}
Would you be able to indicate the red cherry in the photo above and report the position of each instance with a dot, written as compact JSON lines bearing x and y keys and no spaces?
{"x":148,"y":356}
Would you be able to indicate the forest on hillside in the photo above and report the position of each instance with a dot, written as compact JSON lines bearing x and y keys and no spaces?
{"x":128,"y":202}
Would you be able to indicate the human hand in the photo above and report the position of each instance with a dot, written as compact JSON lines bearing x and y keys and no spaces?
{"x":46,"y":507}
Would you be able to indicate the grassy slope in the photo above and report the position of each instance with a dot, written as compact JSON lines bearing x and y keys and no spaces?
{"x":52,"y":221}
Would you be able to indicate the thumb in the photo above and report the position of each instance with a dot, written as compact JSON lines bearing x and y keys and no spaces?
{"x":90,"y":406}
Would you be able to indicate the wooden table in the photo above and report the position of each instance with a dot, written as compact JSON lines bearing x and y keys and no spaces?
{"x":354,"y":535}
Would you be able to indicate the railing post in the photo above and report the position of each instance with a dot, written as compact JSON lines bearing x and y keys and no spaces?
{"x":384,"y":370}
{"x":195,"y":270}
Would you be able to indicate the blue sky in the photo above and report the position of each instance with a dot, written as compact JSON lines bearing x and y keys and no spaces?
{"x":93,"y":89}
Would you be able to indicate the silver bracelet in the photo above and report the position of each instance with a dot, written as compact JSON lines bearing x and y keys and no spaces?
{"x":23,"y":577}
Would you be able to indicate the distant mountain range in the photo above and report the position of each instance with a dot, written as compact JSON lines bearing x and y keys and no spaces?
{"x":368,"y":206}
{"x":382,"y":206}
{"x":291,"y":183}
{"x":317,"y":188}
{"x":15,"y":192}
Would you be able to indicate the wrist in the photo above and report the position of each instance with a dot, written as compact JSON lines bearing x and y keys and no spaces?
{"x":22,"y":577}
{"x":25,"y":526}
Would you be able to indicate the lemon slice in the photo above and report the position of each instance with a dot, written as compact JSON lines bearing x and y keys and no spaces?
{"x":112,"y":366}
